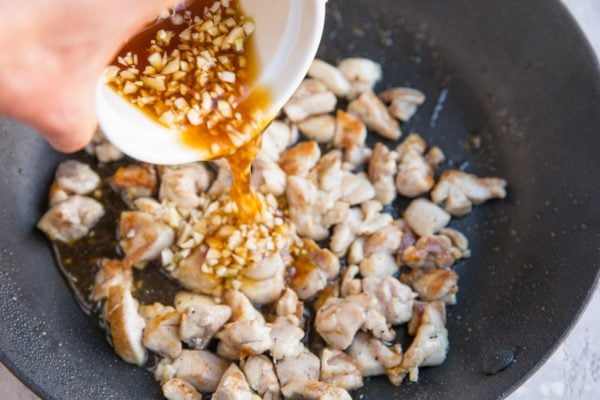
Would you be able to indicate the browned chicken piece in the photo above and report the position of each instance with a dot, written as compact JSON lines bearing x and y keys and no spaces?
{"x":313,"y":390}
{"x":300,"y":159}
{"x":143,"y":237}
{"x":303,"y":367}
{"x":189,"y":274}
{"x":357,"y":251}
{"x":135,"y":181}
{"x":356,"y":188}
{"x":460,"y":244}
{"x":241,"y":338}
{"x":329,"y":171}
{"x":234,"y":386}
{"x":403,"y":102}
{"x":311,"y":98}
{"x":183,"y":184}
{"x":408,"y":236}
{"x":150,"y":311}
{"x":429,"y":252}
{"x":260,"y":373}
{"x":380,"y":265}
{"x":201,"y":318}
{"x":415,"y":174}
{"x":241,"y":307}
{"x":320,"y":128}
{"x":395,"y":300}
{"x":375,"y":115}
{"x":201,"y":368}
{"x":435,"y":156}
{"x":287,"y":338}
{"x":372,"y":356}
{"x":267,"y":176}
{"x":362,"y":73}
{"x":275,"y":139}
{"x":434,"y":284}
{"x":289,"y":304}
{"x":350,"y":131}
{"x":340,"y":370}
{"x":312,"y":270}
{"x":76,"y":177}
{"x":72,"y":219}
{"x":104,"y":151}
{"x":161,"y":334}
{"x":126,"y":325}
{"x":350,"y":284}
{"x":355,"y":157}
{"x":264,"y":282}
{"x":425,"y":218}
{"x":111,"y":273}
{"x":429,"y":347}
{"x":460,"y":191}
{"x":331,"y":77}
{"x":386,"y":240}
{"x":178,"y":389}
{"x":382,"y":171}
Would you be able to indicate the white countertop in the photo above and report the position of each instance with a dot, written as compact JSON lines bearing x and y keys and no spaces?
{"x":572,"y":373}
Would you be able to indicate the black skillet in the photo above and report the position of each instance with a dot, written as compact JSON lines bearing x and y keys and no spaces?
{"x":517,"y":74}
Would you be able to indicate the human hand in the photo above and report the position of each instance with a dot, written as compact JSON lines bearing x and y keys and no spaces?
{"x":53,"y":54}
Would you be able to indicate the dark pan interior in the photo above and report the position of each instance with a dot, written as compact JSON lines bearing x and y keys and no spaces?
{"x":519,"y":74}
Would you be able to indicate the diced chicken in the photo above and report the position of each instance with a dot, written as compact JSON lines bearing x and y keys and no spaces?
{"x":234,"y":386}
{"x":362,"y":73}
{"x":304,"y":367}
{"x":224,"y":179}
{"x":178,"y":389}
{"x":241,"y":307}
{"x":357,"y":251}
{"x":286,"y":337}
{"x":143,"y":236}
{"x":260,"y":373}
{"x":425,"y":218}
{"x":350,"y":131}
{"x":356,"y":157}
{"x":201,"y":368}
{"x":430,"y":252}
{"x":379,"y":264}
{"x":244,"y":337}
{"x":343,"y":233}
{"x":311,"y":98}
{"x":388,"y":239}
{"x":267,"y":177}
{"x":403,"y":102}
{"x":300,"y":159}
{"x":460,"y":244}
{"x":340,"y":370}
{"x":415,"y":174}
{"x":76,"y":177}
{"x":126,"y":325}
{"x":460,"y":191}
{"x":373,"y":219}
{"x":356,"y":188}
{"x":111,"y":273}
{"x":150,"y":311}
{"x":200,"y":320}
{"x":331,"y":77}
{"x":264,"y":282}
{"x":183,"y":184}
{"x":135,"y":181}
{"x":382,"y":170}
{"x":161,"y":334}
{"x":350,"y":284}
{"x":104,"y":151}
{"x":313,"y":390}
{"x":429,"y":346}
{"x":320,"y":128}
{"x":289,"y":304}
{"x":312,"y":269}
{"x":336,"y":215}
{"x":375,"y":115}
{"x":72,"y":219}
{"x":329,"y":171}
{"x":434,"y":284}
{"x":395,"y":300}
{"x":372,"y":356}
{"x":303,"y":197}
{"x":275,"y":139}
{"x":189,"y":274}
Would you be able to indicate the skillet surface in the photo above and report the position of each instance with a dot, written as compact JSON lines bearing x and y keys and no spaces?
{"x":518,"y":74}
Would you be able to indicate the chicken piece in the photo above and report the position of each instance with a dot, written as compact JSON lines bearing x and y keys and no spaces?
{"x":403,"y":102}
{"x":340,"y":370}
{"x":373,"y":219}
{"x":289,"y":304}
{"x":320,"y":128}
{"x":183,"y":184}
{"x":375,"y":115}
{"x":395,"y":300}
{"x":430,"y":252}
{"x":241,"y":338}
{"x":234,"y":386}
{"x":372,"y":356}
{"x":429,"y":347}
{"x":300,"y":159}
{"x":312,"y":269}
{"x":380,"y":265}
{"x":286,"y":337}
{"x":303,"y":197}
{"x":350,"y":284}
{"x":460,"y":244}
{"x":336,"y":215}
{"x":343,"y":233}
{"x":260,"y":373}
{"x":189,"y":274}
{"x":388,"y":240}
{"x":435,"y":156}
{"x":460,"y":191}
{"x":425,"y":218}
{"x":264,"y":282}
{"x":331,"y":77}
{"x":104,"y":151}
{"x":111,"y":273}
{"x":338,"y":320}
{"x":382,"y":170}
{"x":311,"y":98}
{"x":143,"y":237}
{"x":72,"y":219}
{"x":275,"y":139}
{"x":357,"y":251}
{"x":313,"y":390}
{"x":76,"y":177}
{"x":350,"y":132}
{"x":303,"y":367}
{"x":329,"y":171}
{"x":178,"y":389}
{"x":201,"y":368}
{"x":126,"y":325}
{"x":267,"y":177}
{"x":356,"y":188}
{"x":362,"y":73}
{"x":434,"y":284}
{"x":135,"y":181}
{"x":224,"y":179}
{"x":415,"y":174}
{"x":200,"y":320}
{"x":161,"y":334}
{"x":241,"y":307}
{"x":355,"y":157}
